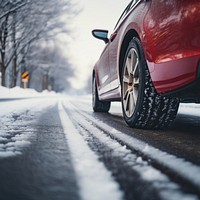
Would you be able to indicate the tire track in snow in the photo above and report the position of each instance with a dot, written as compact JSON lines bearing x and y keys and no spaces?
{"x":184,"y":173}
{"x":95,"y":181}
{"x":118,"y":160}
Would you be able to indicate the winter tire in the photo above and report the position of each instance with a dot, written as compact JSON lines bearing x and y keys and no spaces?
{"x":142,"y":106}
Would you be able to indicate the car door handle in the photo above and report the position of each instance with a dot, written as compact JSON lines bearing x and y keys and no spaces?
{"x":113,"y":36}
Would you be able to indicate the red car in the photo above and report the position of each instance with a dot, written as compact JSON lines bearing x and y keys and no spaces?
{"x":151,"y":62}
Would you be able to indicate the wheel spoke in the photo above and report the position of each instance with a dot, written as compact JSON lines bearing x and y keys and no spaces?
{"x":131,"y":82}
{"x":125,"y":79}
{"x":136,"y":82}
{"x":129,"y":65}
{"x":132,"y":61}
{"x":135,"y":68}
{"x":135,"y":96}
{"x":131,"y":103}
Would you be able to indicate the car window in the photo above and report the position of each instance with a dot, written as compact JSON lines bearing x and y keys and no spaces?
{"x":127,"y":9}
{"x":133,"y":3}
{"x":124,"y":13}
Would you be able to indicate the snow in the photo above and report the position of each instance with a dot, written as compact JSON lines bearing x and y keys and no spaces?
{"x":14,"y":116}
{"x":17,"y":92}
{"x":159,"y":180}
{"x":189,"y":109}
{"x":146,"y":148}
{"x":95,"y":181}
{"x":185,"y":169}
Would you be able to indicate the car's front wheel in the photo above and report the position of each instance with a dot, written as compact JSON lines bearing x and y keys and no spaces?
{"x":97,"y":105}
{"x":142,"y":106}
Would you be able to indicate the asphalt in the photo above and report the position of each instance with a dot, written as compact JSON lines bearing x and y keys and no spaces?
{"x":44,"y":171}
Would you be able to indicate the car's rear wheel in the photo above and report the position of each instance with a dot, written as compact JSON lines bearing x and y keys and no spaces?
{"x":142,"y":106}
{"x":98,"y":106}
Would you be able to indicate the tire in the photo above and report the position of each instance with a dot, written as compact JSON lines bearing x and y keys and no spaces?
{"x":97,"y":105}
{"x":142,"y":106}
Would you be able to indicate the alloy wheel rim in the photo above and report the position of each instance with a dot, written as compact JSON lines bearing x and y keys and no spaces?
{"x":130,"y":82}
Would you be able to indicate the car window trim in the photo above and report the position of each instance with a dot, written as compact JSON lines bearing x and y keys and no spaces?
{"x":123,"y":13}
{"x":130,"y":7}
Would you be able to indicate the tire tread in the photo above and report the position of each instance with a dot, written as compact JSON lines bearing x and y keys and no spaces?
{"x":155,"y":111}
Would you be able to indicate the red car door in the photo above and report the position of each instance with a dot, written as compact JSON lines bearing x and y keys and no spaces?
{"x":114,"y":46}
{"x":103,"y":72}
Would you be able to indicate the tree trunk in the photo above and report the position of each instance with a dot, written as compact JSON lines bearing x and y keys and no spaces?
{"x":3,"y":74}
{"x":14,"y":53}
{"x":3,"y":39}
{"x":45,"y":82}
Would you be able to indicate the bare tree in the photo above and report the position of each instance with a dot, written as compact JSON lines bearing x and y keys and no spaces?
{"x":22,"y":23}
{"x":49,"y":68}
{"x":7,"y":8}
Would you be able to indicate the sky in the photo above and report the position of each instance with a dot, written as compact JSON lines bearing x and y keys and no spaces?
{"x":84,"y":50}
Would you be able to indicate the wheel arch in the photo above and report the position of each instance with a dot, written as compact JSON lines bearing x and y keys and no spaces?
{"x":128,"y":37}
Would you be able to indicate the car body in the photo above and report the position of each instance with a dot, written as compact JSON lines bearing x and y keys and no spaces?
{"x":164,"y":39}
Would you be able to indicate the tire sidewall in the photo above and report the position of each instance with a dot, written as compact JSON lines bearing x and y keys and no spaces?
{"x":135,"y":43}
{"x":94,"y":94}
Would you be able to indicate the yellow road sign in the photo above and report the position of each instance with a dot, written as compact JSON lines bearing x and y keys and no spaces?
{"x":25,"y":76}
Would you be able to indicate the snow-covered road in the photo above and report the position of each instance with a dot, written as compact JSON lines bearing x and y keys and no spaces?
{"x":55,"y":147}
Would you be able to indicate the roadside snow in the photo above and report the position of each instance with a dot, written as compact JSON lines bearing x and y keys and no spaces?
{"x":189,"y":109}
{"x":14,"y":117}
{"x":18,"y":92}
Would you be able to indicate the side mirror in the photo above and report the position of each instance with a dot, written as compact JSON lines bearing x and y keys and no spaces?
{"x":101,"y":34}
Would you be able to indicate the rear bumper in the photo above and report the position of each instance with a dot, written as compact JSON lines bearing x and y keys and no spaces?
{"x":174,"y":75}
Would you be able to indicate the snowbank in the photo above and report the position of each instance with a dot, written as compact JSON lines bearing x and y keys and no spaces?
{"x":17,"y":92}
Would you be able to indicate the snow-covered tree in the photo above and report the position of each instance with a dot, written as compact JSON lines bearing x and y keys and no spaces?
{"x":25,"y":22}
{"x":48,"y":68}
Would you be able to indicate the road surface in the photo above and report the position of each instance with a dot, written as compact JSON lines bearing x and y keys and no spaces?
{"x":56,"y":148}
